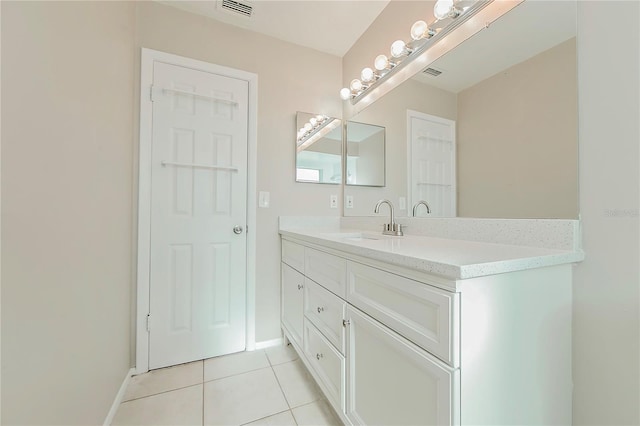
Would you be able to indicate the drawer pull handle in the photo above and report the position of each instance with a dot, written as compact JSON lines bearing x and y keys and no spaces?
{"x":300,"y":286}
{"x":320,"y":309}
{"x":318,"y":356}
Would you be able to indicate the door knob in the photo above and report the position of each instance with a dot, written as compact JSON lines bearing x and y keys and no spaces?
{"x":237,"y":229}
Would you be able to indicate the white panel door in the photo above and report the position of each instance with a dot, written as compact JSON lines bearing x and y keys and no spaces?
{"x":432,"y":163}
{"x":198,"y":196}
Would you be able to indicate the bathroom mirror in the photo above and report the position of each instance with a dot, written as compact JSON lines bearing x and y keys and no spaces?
{"x":365,"y":154}
{"x":318,"y":149}
{"x":513,"y":100}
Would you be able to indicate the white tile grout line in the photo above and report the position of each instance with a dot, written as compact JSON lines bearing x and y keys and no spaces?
{"x":162,"y":392}
{"x":270,"y":415}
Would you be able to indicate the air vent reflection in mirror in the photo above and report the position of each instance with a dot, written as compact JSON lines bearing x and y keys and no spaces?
{"x":432,"y":71}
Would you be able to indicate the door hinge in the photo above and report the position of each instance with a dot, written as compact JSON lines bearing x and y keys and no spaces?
{"x":148,"y":322}
{"x":151,"y":93}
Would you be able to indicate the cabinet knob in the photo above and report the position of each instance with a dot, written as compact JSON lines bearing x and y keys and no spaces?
{"x":345,"y":323}
{"x":318,"y":356}
{"x":320,"y":309}
{"x":300,"y":286}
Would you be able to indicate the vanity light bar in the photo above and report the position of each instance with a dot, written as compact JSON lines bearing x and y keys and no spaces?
{"x":311,"y":127}
{"x":327,"y":126}
{"x":450,"y":14}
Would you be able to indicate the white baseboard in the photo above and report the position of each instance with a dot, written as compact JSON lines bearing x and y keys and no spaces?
{"x":119,"y":397}
{"x":269,"y":343}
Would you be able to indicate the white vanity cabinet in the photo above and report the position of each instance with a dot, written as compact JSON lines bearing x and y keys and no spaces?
{"x":392,"y":345}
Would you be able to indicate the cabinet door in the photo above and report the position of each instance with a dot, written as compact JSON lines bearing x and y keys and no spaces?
{"x":391,"y":381}
{"x":292,"y":303}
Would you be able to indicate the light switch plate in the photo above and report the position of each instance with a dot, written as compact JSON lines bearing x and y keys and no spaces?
{"x":334,"y":202}
{"x":349,"y":202}
{"x":263,"y":199}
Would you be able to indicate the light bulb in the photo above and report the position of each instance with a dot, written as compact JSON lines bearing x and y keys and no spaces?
{"x":442,"y":8}
{"x":367,"y":75}
{"x":345,"y":93}
{"x":308,"y":127}
{"x":321,"y":118}
{"x":418,"y":29}
{"x":381,"y":62}
{"x":302,"y":130}
{"x":356,"y":85}
{"x":398,"y":48}
{"x":313,"y":121}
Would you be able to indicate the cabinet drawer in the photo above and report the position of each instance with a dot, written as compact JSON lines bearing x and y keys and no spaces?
{"x":327,"y":363}
{"x":423,"y":314}
{"x":293,"y":255}
{"x":327,"y":270}
{"x":326,"y":311}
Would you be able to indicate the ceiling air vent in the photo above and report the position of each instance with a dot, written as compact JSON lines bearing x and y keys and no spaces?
{"x":432,"y":71}
{"x":233,"y":6}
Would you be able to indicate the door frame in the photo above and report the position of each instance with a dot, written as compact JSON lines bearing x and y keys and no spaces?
{"x":147,"y":58}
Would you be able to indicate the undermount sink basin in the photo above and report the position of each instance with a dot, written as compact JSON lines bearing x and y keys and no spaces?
{"x":361,"y":238}
{"x":354,"y":236}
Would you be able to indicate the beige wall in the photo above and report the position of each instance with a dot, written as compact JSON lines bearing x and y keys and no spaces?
{"x":606,"y":332}
{"x":517,"y":140}
{"x":290,"y":78}
{"x":67,"y":142}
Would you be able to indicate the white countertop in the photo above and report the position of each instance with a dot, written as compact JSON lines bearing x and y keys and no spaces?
{"x":450,"y":258}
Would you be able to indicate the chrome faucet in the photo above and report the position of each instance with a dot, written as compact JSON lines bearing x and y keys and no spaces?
{"x":424,"y":203}
{"x":391,"y":228}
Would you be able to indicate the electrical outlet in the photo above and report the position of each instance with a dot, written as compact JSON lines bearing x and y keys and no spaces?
{"x":334,"y":202}
{"x":403,"y":203}
{"x":349,"y":202}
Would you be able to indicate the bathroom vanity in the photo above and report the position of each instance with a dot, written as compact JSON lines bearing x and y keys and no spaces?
{"x":422,"y":330}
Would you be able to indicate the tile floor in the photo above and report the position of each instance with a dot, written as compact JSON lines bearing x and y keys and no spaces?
{"x":266,"y":387}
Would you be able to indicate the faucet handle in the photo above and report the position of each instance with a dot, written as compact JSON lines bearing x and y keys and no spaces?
{"x":392,"y":229}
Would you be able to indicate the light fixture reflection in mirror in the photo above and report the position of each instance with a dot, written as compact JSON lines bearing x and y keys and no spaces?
{"x":365,"y":159}
{"x":455,"y":20}
{"x":318,"y":149}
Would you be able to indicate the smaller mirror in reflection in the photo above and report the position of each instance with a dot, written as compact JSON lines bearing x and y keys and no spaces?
{"x":365,"y":164}
{"x":318,"y":149}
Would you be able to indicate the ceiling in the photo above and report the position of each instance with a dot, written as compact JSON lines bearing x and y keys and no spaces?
{"x":527,"y":30}
{"x":333,"y":26}
{"x":330,"y":26}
